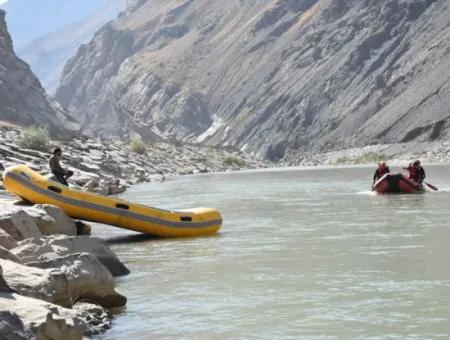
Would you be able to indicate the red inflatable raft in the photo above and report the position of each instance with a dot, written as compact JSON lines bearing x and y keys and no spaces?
{"x":396,"y":183}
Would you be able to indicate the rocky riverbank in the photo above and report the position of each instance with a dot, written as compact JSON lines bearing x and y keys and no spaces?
{"x":396,"y":154}
{"x":109,"y":167}
{"x":56,"y":282}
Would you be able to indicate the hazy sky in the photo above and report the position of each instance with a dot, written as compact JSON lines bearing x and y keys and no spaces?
{"x":2,"y":1}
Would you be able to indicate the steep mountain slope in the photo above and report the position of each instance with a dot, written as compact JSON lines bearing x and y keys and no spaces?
{"x":31,"y":19}
{"x":275,"y":77}
{"x":23,"y":101}
{"x":48,"y":54}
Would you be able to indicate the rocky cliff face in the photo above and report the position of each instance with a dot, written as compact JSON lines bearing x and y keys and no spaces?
{"x":23,"y":101}
{"x":276,"y":77}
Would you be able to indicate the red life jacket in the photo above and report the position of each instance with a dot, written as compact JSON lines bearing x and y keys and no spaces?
{"x":411,"y":171}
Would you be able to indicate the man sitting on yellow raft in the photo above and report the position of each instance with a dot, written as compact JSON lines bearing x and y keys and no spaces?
{"x":61,"y":174}
{"x":31,"y":186}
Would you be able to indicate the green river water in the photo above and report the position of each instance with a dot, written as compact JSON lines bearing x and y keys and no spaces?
{"x":302,"y":254}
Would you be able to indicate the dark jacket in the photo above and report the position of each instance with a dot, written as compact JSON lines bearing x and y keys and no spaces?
{"x":380,"y":173}
{"x":417,"y":174}
{"x":60,"y":173}
{"x":55,"y":166}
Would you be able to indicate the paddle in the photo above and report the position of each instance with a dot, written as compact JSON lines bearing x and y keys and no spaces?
{"x":432,"y":187}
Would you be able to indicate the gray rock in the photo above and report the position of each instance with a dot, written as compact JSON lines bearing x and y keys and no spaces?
{"x":90,"y":167}
{"x":96,"y":318}
{"x":6,"y":241}
{"x":59,"y":222}
{"x":45,"y":284}
{"x":12,"y":327}
{"x":50,"y":247}
{"x":19,"y":224}
{"x":88,"y":279}
{"x":5,"y":254}
{"x":91,"y":186}
{"x":4,"y":287}
{"x":32,"y":222}
{"x":82,"y":178}
{"x":42,"y":319}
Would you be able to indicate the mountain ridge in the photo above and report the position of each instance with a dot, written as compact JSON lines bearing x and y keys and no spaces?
{"x":23,"y":101}
{"x":273,"y":77}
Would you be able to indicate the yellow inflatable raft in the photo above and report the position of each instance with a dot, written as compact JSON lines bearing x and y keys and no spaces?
{"x":31,"y":186}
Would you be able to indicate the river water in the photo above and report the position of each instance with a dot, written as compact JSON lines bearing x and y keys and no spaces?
{"x":303,"y":253}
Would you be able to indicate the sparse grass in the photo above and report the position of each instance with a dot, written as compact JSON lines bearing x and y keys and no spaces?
{"x":35,"y":138}
{"x":163,"y":44}
{"x":230,"y":161}
{"x":370,"y":157}
{"x":138,"y":146}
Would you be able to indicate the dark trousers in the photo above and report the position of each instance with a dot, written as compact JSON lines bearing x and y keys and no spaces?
{"x":62,"y":177}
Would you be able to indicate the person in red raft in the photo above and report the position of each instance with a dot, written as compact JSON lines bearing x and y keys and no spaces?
{"x":382,"y":170}
{"x":416,"y":172}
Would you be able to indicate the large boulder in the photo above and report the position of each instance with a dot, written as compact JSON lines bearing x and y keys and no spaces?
{"x":6,"y":240}
{"x":53,"y":220}
{"x":52,"y":247}
{"x":50,"y":285}
{"x":19,"y":224}
{"x":27,"y":318}
{"x":41,"y":319}
{"x":33,"y":222}
{"x":88,"y":279}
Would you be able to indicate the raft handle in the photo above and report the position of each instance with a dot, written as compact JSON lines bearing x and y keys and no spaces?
{"x":122,"y":206}
{"x":186,"y":218}
{"x":23,"y":174}
{"x":55,"y":189}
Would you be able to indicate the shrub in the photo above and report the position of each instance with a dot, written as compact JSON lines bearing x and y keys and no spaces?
{"x":138,"y":146}
{"x":35,"y":138}
{"x":230,"y":161}
{"x":370,"y":157}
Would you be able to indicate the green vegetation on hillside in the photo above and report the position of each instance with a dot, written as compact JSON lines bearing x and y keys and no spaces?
{"x":234,"y":161}
{"x":35,"y":138}
{"x":370,"y":157}
{"x":138,"y":146}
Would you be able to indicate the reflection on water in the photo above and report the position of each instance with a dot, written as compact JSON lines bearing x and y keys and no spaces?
{"x":302,"y":253}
